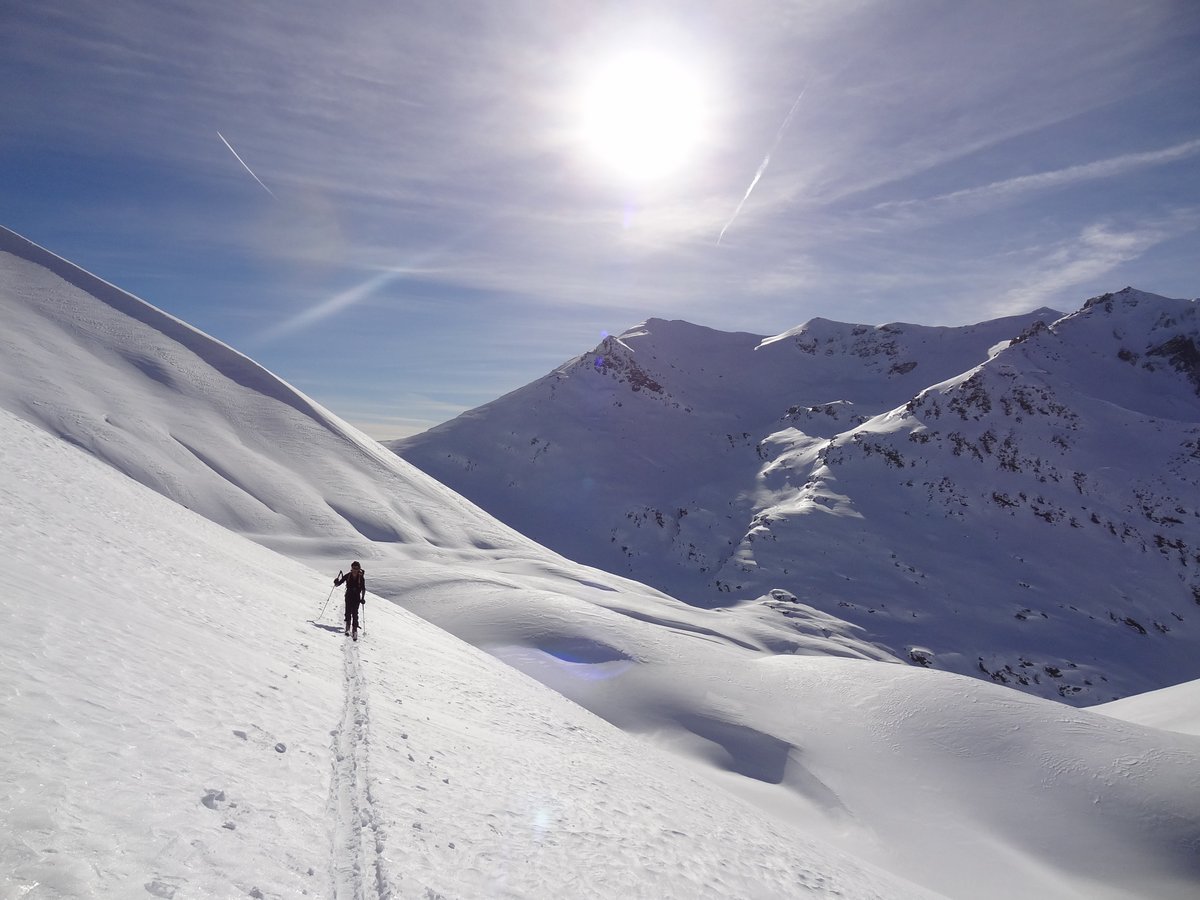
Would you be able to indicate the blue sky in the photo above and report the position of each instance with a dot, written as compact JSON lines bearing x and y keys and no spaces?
{"x":426,"y":214}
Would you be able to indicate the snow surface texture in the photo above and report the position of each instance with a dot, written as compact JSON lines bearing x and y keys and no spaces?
{"x":1175,"y":708}
{"x":180,"y":727}
{"x":1023,"y":511}
{"x":176,"y":728}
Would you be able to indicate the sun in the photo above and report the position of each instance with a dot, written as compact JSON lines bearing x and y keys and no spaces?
{"x":643,"y":115}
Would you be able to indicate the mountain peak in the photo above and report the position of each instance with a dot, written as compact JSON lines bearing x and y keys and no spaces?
{"x":680,"y":333}
{"x":1127,"y":296}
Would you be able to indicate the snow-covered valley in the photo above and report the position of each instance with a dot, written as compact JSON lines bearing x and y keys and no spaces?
{"x":181,"y":722}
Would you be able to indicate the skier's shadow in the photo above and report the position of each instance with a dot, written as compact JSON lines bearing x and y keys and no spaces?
{"x":336,"y":629}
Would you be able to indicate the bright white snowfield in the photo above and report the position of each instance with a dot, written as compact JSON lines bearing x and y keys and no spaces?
{"x":177,"y":725}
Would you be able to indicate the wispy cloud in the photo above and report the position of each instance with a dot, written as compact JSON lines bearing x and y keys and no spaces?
{"x":1083,"y":262}
{"x":1012,"y":188}
{"x":339,"y":302}
{"x":440,"y":171}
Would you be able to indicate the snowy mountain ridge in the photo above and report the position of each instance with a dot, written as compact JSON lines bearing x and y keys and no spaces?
{"x":884,"y":476}
{"x":184,"y":722}
{"x":674,"y":407}
{"x":198,"y":421}
{"x":1027,"y":439}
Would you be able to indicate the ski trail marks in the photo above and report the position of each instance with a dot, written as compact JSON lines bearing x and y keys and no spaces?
{"x":357,"y":837}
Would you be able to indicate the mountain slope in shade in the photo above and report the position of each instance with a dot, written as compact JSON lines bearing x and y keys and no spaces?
{"x":1034,"y":519}
{"x":643,"y":456}
{"x":1030,"y":518}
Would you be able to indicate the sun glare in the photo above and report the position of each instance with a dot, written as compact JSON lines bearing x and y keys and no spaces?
{"x":643,"y":115}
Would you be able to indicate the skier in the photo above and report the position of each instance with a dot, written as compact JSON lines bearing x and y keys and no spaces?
{"x":356,"y":594}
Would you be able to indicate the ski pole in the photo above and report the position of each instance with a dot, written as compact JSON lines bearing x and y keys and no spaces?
{"x":330,"y":597}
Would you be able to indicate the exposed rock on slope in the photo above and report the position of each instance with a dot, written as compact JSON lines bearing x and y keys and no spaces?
{"x":643,"y":456}
{"x":1015,"y":500}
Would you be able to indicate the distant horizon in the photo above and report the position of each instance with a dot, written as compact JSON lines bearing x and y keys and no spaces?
{"x":373,"y":431}
{"x":406,"y":211}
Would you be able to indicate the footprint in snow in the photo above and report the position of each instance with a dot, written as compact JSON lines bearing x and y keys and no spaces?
{"x":213,"y":799}
{"x":261,"y":736}
{"x":162,"y":888}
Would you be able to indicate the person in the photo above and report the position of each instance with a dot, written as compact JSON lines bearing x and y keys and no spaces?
{"x":356,"y":594}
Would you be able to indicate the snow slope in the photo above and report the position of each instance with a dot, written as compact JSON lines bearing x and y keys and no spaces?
{"x":204,"y":425}
{"x":1026,"y":515}
{"x":176,"y":727}
{"x":1175,"y":708}
{"x":147,"y":691}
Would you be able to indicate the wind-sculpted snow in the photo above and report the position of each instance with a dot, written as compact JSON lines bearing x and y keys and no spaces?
{"x":860,"y":749}
{"x":149,"y":359}
{"x":202,"y":424}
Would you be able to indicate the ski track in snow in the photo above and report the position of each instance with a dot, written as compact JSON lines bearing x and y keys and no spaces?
{"x":358,"y":838}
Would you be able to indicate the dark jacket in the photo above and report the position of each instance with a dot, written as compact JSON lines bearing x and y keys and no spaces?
{"x":356,"y":585}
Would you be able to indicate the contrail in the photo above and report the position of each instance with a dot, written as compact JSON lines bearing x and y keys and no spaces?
{"x":336,"y":303}
{"x":763,"y":167}
{"x":246,"y":167}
